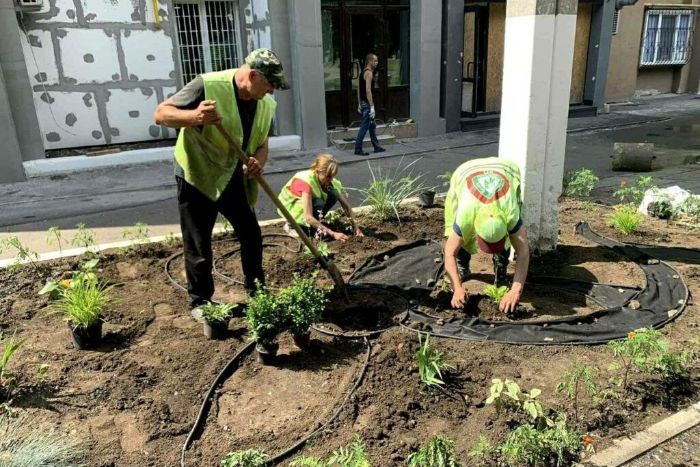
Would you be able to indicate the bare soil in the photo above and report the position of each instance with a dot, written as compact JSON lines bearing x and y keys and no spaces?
{"x":132,"y":401}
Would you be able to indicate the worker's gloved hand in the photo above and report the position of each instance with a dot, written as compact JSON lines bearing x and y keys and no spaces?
{"x":339,"y":236}
{"x":206,"y":114}
{"x":372,"y":113}
{"x":253,"y":168}
{"x":459,"y":297}
{"x":509,"y":301}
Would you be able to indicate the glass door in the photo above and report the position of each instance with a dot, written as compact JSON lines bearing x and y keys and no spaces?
{"x":474,"y":62}
{"x":365,"y":38}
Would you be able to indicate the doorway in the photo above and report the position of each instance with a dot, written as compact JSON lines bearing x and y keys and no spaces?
{"x":476,"y":24}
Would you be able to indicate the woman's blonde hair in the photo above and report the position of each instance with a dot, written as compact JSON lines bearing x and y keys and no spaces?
{"x":325,"y":166}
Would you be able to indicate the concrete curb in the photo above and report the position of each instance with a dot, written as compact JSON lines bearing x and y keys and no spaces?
{"x":63,"y":165}
{"x":627,"y":449}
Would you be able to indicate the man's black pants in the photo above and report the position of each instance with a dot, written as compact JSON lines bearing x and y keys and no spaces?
{"x":197,"y":219}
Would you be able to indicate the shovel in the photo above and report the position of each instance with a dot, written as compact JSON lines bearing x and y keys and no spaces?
{"x":327,"y":264}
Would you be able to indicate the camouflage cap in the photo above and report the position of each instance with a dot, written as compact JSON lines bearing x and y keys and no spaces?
{"x":266,"y":62}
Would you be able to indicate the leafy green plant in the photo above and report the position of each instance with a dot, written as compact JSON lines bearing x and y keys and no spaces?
{"x":337,"y":220}
{"x":83,"y":303}
{"x":640,"y":350}
{"x":626,"y":219}
{"x":322,"y":248}
{"x":661,"y":209}
{"x":445,"y":177}
{"x":507,"y":395}
{"x":495,"y":294}
{"x":438,"y":451}
{"x":302,"y":303}
{"x":136,"y":234}
{"x":247,"y":458}
{"x":579,"y":183}
{"x":264,"y":316}
{"x":10,"y":345}
{"x":43,"y":370}
{"x":55,"y":289}
{"x":483,"y":450}
{"x":171,"y":240}
{"x":24,"y":254}
{"x":216,"y":312}
{"x":634,"y":193}
{"x":690,"y":210}
{"x":578,"y":377}
{"x":554,"y":445}
{"x":84,"y":237}
{"x":24,"y":442}
{"x":307,"y":461}
{"x":385,"y":193}
{"x":351,"y":456}
{"x":225,"y":225}
{"x":430,"y":363}
{"x":54,"y":235}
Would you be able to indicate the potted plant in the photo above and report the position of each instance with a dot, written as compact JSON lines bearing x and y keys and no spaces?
{"x":302,"y":303}
{"x":427,"y":198}
{"x":265,"y":321}
{"x":216,"y":317}
{"x":83,"y":304}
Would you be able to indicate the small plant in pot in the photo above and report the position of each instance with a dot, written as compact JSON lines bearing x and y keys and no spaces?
{"x":216,"y":317}
{"x":427,"y":197}
{"x":265,"y":319}
{"x":302,"y":303}
{"x":83,"y":304}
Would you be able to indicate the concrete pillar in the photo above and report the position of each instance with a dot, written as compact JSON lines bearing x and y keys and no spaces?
{"x":539,"y":45}
{"x":285,"y":121}
{"x":599,"y":43}
{"x":452,"y":55}
{"x":18,"y":88}
{"x":426,"y":48}
{"x":307,"y":79}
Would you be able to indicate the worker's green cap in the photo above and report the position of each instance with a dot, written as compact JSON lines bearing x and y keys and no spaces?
{"x":266,"y":62}
{"x":491,"y":229}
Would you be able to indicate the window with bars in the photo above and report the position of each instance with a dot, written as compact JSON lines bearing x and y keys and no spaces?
{"x":616,"y":21}
{"x":208,"y":36}
{"x":667,"y":37}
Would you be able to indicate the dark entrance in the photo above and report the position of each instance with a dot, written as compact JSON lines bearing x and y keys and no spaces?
{"x":476,"y":30}
{"x":351,"y":30}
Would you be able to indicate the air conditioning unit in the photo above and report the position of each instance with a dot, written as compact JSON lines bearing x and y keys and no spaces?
{"x":29,"y":5}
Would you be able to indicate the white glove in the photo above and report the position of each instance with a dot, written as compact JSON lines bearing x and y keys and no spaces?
{"x":371,"y":113}
{"x":359,"y":109}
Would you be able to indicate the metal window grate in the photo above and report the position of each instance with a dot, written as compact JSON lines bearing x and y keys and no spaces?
{"x":667,"y":37}
{"x":208,"y":36}
{"x":616,"y":21}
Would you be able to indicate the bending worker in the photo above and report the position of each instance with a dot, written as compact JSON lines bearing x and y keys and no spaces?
{"x":311,"y":193}
{"x":210,"y":179}
{"x":482,"y":212}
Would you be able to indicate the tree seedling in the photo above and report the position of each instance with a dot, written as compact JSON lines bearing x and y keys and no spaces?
{"x":438,"y":451}
{"x":484,"y":451}
{"x":495,"y":294}
{"x":634,"y":193}
{"x":579,"y":183}
{"x":507,"y":395}
{"x":54,"y":235}
{"x":553,"y":445}
{"x":577,"y":378}
{"x":171,"y":240}
{"x":247,"y":458}
{"x":136,"y":234}
{"x":351,"y":456}
{"x":84,"y":237}
{"x":638,"y":351}
{"x":24,"y":254}
{"x":308,"y":461}
{"x":430,"y":363}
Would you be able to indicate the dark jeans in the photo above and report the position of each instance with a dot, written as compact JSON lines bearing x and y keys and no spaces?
{"x":500,"y":265}
{"x":197,"y":218}
{"x":367,"y":124}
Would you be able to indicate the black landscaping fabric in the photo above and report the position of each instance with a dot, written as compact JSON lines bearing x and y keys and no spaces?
{"x":407,"y":269}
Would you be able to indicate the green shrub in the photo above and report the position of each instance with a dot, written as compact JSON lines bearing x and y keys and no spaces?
{"x":430,"y":363}
{"x":690,"y":210}
{"x":25,"y":443}
{"x":247,"y":458}
{"x":634,"y":193}
{"x":579,"y":377}
{"x":552,"y":446}
{"x":626,"y":219}
{"x":495,"y":294}
{"x":386,"y":193}
{"x":351,"y":456}
{"x":216,"y":312}
{"x":438,"y":451}
{"x":302,"y":303}
{"x":264,"y":316}
{"x":83,"y":303}
{"x":640,"y":350}
{"x":307,"y":461}
{"x":579,"y":183}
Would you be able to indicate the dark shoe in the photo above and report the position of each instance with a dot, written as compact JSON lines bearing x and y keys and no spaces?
{"x":362,"y":153}
{"x":463,"y":259}
{"x":500,"y":269}
{"x":379,"y":150}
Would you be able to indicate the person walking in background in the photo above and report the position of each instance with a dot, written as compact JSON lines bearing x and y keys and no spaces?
{"x":365,"y":106}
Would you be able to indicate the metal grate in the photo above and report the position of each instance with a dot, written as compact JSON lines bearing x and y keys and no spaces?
{"x":667,"y":37}
{"x":616,"y":21}
{"x":208,"y":36}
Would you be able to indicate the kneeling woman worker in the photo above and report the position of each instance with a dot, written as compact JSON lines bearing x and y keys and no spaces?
{"x":311,"y":193}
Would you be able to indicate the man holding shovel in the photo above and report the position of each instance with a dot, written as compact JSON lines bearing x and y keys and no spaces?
{"x":211,"y":180}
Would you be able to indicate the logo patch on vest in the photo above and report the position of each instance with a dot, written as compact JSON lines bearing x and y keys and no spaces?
{"x":487,"y":186}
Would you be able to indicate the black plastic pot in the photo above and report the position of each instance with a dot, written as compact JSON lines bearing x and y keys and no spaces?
{"x":427,"y":198}
{"x":215,"y":329}
{"x":267,"y":353}
{"x":303,"y":341}
{"x":86,"y":337}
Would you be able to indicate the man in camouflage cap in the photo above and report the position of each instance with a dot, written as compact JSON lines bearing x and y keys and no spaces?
{"x":210,"y":180}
